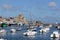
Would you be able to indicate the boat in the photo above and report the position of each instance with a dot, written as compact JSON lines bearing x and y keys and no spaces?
{"x":58,"y":27}
{"x":55,"y":34}
{"x":30,"y":27}
{"x":13,"y":30}
{"x":50,"y":25}
{"x":47,"y":29}
{"x":41,"y":26}
{"x":19,"y":29}
{"x":44,"y":30}
{"x":4,"y":25}
{"x":29,"y":33}
{"x":3,"y":31}
{"x":34,"y":29}
{"x":2,"y":39}
{"x":19,"y":23}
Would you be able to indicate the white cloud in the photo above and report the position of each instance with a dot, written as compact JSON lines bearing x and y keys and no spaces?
{"x":11,"y":7}
{"x":7,"y":6}
{"x":52,"y":4}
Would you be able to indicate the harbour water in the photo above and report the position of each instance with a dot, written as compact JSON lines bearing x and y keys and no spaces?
{"x":19,"y":34}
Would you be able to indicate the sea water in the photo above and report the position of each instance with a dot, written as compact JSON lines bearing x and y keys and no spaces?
{"x":19,"y":34}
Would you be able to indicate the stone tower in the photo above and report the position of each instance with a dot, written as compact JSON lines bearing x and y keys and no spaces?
{"x":21,"y":18}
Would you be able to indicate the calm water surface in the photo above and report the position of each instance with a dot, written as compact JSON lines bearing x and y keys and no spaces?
{"x":19,"y":34}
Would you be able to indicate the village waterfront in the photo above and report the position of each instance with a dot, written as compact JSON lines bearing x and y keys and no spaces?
{"x":21,"y":29}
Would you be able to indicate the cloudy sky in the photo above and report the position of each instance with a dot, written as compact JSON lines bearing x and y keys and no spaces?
{"x":44,"y":10}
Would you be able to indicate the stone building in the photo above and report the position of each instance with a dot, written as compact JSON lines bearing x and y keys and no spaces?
{"x":1,"y":19}
{"x":21,"y":18}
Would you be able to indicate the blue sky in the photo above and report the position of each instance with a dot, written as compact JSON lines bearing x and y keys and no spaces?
{"x":44,"y":10}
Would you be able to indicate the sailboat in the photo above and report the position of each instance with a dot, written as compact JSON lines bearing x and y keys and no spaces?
{"x":30,"y":29}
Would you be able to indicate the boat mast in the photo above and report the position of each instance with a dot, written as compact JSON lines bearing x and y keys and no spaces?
{"x":30,"y":14}
{"x":30,"y":19}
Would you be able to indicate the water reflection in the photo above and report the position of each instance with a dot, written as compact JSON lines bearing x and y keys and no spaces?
{"x":2,"y":39}
{"x":54,"y":38}
{"x":13,"y":33}
{"x":31,"y":36}
{"x":2,"y":34}
{"x":42,"y":34}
